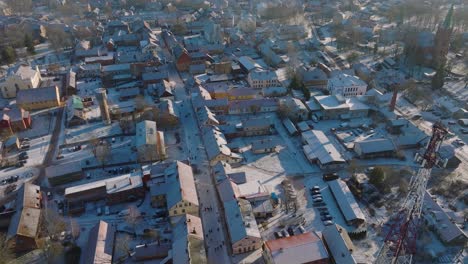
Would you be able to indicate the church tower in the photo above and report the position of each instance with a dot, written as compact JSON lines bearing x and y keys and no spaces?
{"x":442,"y":40}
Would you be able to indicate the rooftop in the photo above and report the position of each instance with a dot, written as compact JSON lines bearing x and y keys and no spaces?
{"x":240,"y":220}
{"x":145,"y":133}
{"x":302,"y":248}
{"x":346,"y":201}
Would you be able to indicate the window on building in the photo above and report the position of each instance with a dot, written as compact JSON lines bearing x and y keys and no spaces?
{"x":175,"y":211}
{"x":183,"y":211}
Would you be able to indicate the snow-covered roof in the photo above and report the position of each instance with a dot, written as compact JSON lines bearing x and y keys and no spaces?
{"x":145,"y":133}
{"x":100,"y":244}
{"x":345,"y":80}
{"x":240,"y":220}
{"x":302,"y":248}
{"x":337,"y":241}
{"x":345,"y":200}
{"x":375,"y":145}
{"x":319,"y":147}
{"x":181,"y":185}
{"x":228,"y":190}
{"x":447,"y":230}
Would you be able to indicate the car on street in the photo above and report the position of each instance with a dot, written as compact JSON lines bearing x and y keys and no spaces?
{"x":317,"y":200}
{"x":327,"y":223}
{"x":324,"y":213}
{"x":318,"y":195}
{"x":464,"y":131}
{"x":301,"y":229}
{"x":326,"y":218}
{"x":291,"y":231}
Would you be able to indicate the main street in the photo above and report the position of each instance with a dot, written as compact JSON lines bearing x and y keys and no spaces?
{"x":212,"y":220}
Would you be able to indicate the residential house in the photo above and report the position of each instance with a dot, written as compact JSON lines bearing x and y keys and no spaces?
{"x":149,"y":142}
{"x":175,"y":189}
{"x":242,"y":228}
{"x":274,"y":91}
{"x":346,"y":85}
{"x":100,"y":244}
{"x":338,"y":244}
{"x":338,"y":107}
{"x":89,"y":71}
{"x":24,"y":228}
{"x":206,"y":117}
{"x":75,"y":114}
{"x":247,"y":64}
{"x":438,"y":220}
{"x":257,"y":127}
{"x":167,"y":116}
{"x":319,"y":149}
{"x":182,"y":58}
{"x":295,"y":108}
{"x":38,"y":98}
{"x":19,"y":78}
{"x":252,"y":106}
{"x":154,"y":77}
{"x":14,"y":119}
{"x":216,"y":147}
{"x":188,"y":243}
{"x":374,"y":148}
{"x":348,"y":205}
{"x":264,"y":146}
{"x":12,"y":143}
{"x":301,"y":248}
{"x":314,"y":78}
{"x":263,"y":78}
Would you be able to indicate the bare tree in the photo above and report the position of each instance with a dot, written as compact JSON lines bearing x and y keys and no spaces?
{"x":133,"y":217}
{"x":53,"y":224}
{"x":103,"y":152}
{"x":58,"y":38}
{"x":6,"y":253}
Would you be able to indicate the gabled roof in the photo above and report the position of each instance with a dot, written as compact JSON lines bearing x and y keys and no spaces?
{"x":26,"y":219}
{"x":240,"y":220}
{"x":181,"y":184}
{"x":100,"y":244}
{"x":346,"y":201}
{"x":338,"y":244}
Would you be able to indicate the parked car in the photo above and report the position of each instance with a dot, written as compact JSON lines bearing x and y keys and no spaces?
{"x":324,"y":213}
{"x":285,"y":233}
{"x":301,"y":229}
{"x":330,"y":176}
{"x":25,"y":146}
{"x":313,"y":192}
{"x":464,"y":131}
{"x":25,"y":157}
{"x":318,"y":200}
{"x":326,"y":218}
{"x":327,"y":223}
{"x":319,"y":204}
{"x":315,"y":188}
{"x":278,"y":235}
{"x":291,"y":231}
{"x":99,"y":211}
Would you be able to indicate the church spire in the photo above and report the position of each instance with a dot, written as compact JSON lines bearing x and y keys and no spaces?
{"x":448,"y":22}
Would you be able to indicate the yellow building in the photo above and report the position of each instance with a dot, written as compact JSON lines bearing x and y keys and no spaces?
{"x":38,"y":98}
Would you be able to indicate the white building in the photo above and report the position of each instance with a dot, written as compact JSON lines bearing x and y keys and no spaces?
{"x":262,"y":79}
{"x":21,"y":78}
{"x":346,"y":85}
{"x":149,"y":142}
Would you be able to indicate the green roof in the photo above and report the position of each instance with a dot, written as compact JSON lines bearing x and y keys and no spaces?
{"x":76,"y":102}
